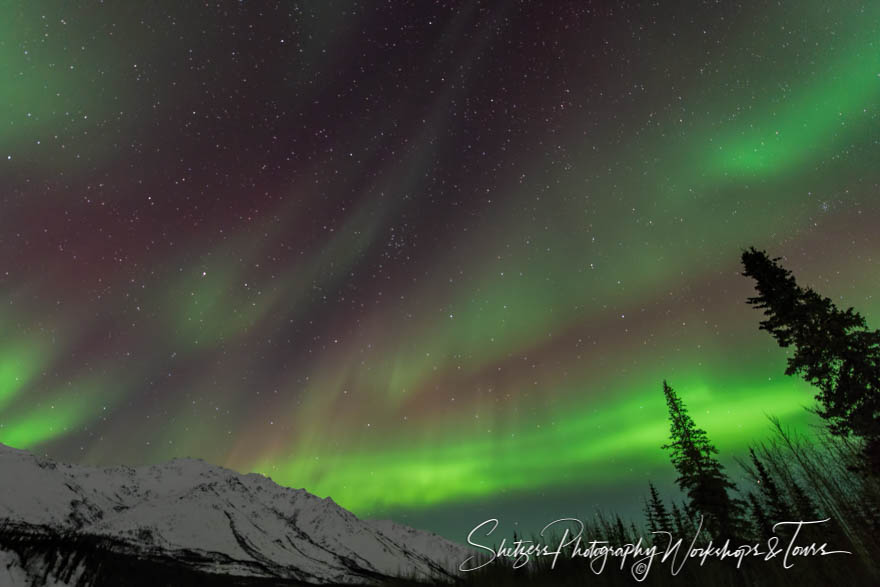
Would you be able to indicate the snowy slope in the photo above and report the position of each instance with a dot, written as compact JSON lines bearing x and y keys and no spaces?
{"x":205,"y":517}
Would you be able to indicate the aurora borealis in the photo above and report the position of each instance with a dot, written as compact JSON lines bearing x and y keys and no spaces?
{"x":422,"y":257}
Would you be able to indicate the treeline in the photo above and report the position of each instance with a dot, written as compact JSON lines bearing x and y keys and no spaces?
{"x":837,"y":475}
{"x":831,"y":478}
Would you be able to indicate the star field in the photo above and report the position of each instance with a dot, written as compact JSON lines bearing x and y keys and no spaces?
{"x":422,"y":257}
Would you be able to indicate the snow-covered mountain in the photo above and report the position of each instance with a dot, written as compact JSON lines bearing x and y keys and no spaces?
{"x":201,"y":524}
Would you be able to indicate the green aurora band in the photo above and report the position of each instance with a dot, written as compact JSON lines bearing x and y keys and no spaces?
{"x":524,"y":354}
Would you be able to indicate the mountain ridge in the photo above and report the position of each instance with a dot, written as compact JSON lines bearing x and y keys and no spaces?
{"x":187,"y":513}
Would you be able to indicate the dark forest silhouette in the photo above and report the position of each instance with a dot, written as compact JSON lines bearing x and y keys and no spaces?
{"x":832,"y":475}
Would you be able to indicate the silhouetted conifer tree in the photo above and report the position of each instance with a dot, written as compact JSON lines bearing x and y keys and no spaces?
{"x":762,"y":524}
{"x":700,"y":476}
{"x":803,"y":505}
{"x":658,"y":515}
{"x":833,"y":350}
{"x":635,"y":531}
{"x":619,"y":531}
{"x":681,"y":521}
{"x":778,"y":510}
{"x":649,"y":515}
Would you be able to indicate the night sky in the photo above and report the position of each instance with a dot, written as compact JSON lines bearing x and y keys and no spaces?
{"x":432,"y":259}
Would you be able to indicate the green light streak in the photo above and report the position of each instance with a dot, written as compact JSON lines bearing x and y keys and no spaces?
{"x":611,"y":253}
{"x":590,"y":445}
{"x":815,"y":121}
{"x":57,"y":416}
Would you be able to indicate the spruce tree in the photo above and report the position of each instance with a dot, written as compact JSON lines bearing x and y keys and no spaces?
{"x":802,"y":503}
{"x":658,"y":516}
{"x":635,"y":531}
{"x":763,"y":525}
{"x":682,"y":523}
{"x":778,"y":510}
{"x":833,"y":350}
{"x":649,"y":516}
{"x":619,"y":531}
{"x":700,"y":476}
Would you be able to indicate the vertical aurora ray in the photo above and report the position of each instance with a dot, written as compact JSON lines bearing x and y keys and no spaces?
{"x":587,"y":448}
